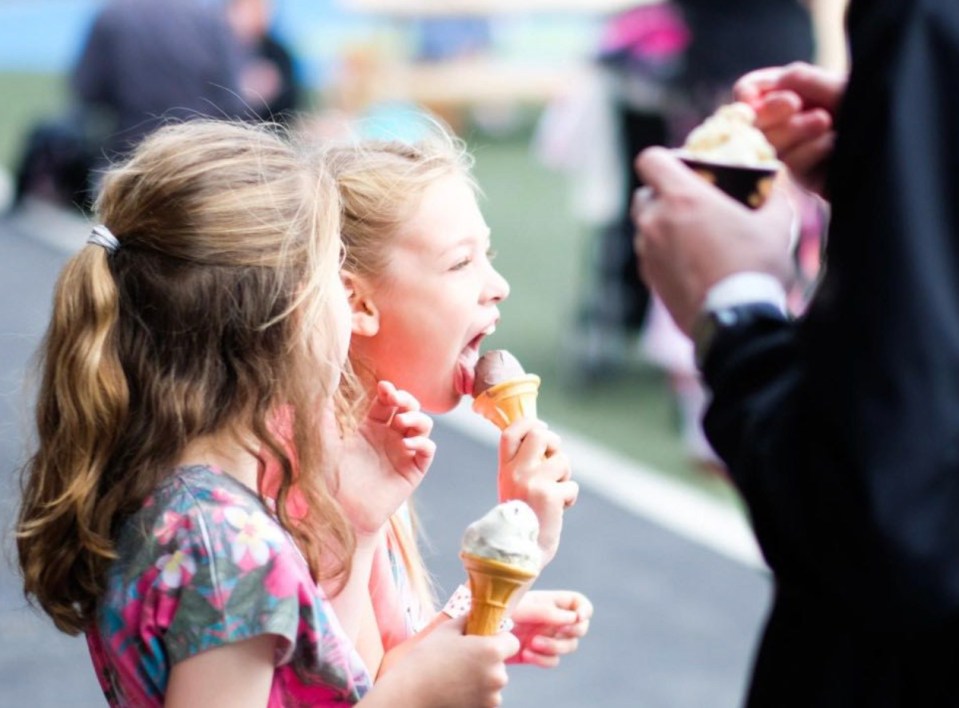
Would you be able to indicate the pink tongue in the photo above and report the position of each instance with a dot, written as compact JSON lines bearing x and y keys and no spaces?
{"x":466,"y":371}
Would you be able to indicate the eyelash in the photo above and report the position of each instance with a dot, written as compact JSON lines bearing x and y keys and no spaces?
{"x":490,"y":255}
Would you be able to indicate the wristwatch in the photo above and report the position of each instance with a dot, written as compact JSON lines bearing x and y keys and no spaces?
{"x":709,"y":323}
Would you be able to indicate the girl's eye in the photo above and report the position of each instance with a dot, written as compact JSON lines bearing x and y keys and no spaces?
{"x":462,"y":264}
{"x":490,"y":254}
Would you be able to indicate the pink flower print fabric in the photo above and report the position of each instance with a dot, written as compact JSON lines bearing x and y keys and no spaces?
{"x":204,"y":564}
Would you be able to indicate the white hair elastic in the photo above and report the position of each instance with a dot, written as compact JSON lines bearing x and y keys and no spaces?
{"x":102,"y":236}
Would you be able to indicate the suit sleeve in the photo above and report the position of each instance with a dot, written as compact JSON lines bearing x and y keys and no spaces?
{"x":841,"y":430}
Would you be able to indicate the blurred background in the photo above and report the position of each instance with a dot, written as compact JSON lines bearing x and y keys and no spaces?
{"x":554,"y":98}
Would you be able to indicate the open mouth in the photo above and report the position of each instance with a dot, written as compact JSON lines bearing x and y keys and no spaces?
{"x":466,"y":364}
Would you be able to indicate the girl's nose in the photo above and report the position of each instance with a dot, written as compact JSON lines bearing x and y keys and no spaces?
{"x":497,"y":288}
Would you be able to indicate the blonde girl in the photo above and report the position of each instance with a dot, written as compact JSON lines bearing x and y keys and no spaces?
{"x":423,"y":296}
{"x":207,"y":300}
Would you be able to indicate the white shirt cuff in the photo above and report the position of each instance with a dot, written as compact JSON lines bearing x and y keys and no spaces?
{"x":746,"y":289}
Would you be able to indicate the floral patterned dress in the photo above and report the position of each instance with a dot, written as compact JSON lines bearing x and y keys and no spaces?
{"x":204,"y":564}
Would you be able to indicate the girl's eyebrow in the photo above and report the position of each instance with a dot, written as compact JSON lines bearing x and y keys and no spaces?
{"x":483,"y":236}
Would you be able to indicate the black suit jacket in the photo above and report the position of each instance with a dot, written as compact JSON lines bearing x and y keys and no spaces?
{"x":841,"y":430}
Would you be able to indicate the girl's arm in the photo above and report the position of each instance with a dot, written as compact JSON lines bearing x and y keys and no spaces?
{"x":380,"y":467}
{"x":234,"y":675}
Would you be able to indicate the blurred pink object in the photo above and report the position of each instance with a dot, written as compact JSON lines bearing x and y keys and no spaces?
{"x":650,"y":32}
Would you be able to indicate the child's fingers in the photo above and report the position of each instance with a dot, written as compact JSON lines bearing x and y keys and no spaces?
{"x":569,"y":493}
{"x":390,"y":401}
{"x":572,"y":604}
{"x":553,"y":444}
{"x":544,"y":494}
{"x":516,"y":434}
{"x":577,"y":630}
{"x":422,"y":449}
{"x":539,"y":443}
{"x":549,"y":612}
{"x":404,"y":400}
{"x":383,"y":407}
{"x":533,"y":658}
{"x":412,"y":423}
{"x":577,"y":601}
{"x":547,"y":646}
{"x":385,"y":390}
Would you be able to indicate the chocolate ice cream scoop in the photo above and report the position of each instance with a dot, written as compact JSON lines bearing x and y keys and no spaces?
{"x":494,"y":367}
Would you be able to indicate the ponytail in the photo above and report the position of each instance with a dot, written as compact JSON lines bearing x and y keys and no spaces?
{"x":63,"y":539}
{"x":208,"y":307}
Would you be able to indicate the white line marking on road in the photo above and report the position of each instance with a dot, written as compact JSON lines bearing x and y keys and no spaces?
{"x":640,"y":490}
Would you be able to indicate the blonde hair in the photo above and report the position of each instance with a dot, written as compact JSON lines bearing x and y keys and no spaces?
{"x":381,"y":185}
{"x":214,"y":310}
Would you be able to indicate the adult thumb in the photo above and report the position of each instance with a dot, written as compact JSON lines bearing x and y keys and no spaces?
{"x":660,"y":169}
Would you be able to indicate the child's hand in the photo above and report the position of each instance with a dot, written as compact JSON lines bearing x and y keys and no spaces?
{"x":385,"y":461}
{"x":532,"y":469}
{"x":549,"y":624}
{"x":446,"y":668}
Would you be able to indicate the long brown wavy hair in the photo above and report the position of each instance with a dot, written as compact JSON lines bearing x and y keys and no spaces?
{"x":214,"y":311}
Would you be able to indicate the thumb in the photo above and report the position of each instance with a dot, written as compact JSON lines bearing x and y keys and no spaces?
{"x":454,"y":625}
{"x":508,"y":644}
{"x":661,"y":170}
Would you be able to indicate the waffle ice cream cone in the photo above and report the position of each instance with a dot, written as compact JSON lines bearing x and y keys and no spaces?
{"x":509,"y":401}
{"x":500,"y":554}
{"x":492,"y":584}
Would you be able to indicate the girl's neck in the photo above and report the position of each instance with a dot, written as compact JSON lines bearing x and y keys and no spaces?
{"x":225,"y":451}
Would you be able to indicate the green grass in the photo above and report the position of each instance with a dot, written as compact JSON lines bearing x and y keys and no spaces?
{"x":25,"y":99}
{"x":546,"y":257}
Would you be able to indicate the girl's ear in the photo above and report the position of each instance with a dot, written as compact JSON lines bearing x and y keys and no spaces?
{"x":365,"y":315}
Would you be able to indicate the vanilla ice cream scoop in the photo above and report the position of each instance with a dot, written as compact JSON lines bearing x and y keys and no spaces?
{"x":730,"y":137}
{"x":508,"y":533}
{"x":495,"y":366}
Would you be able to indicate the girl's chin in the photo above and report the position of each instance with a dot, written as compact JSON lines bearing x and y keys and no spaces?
{"x":442,"y":403}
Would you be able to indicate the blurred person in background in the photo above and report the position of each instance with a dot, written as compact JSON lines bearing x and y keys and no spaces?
{"x":268,"y":77}
{"x":145,"y":62}
{"x":666,"y":66}
{"x":839,"y":428}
